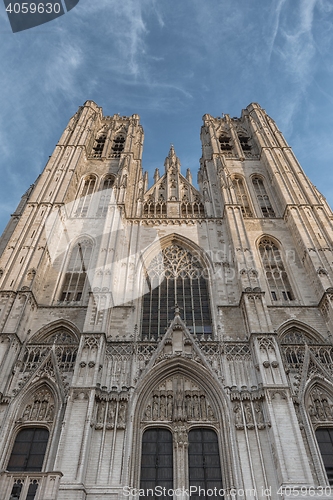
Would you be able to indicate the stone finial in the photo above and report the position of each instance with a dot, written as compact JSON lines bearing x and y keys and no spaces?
{"x":156,"y":175}
{"x":189,"y":175}
{"x":172,"y":159}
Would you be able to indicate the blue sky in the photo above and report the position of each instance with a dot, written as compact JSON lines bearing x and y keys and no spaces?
{"x":170,"y":61}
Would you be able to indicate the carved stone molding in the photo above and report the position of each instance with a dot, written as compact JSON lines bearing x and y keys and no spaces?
{"x":40,"y":407}
{"x":266,"y":344}
{"x":80,"y":394}
{"x":248,"y":414}
{"x":237,"y":351}
{"x":180,"y":436}
{"x":92,"y":342}
{"x":111,"y":414}
{"x":320,"y":405}
{"x":178,"y":399}
{"x":247,"y":408}
{"x":272,"y":393}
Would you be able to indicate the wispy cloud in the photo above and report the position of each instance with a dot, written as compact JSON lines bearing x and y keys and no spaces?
{"x":170,"y":62}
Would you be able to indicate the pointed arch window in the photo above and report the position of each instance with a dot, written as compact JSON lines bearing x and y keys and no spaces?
{"x":85,"y":196}
{"x":152,"y":209}
{"x":105,"y":195}
{"x":242,"y":197}
{"x":262,"y":197}
{"x":175,"y":276}
{"x":76,"y":274}
{"x":276,"y":275}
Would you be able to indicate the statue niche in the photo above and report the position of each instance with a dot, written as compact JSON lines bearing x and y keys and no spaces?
{"x":178,"y":399}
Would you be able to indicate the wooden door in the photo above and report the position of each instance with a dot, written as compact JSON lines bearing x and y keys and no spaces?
{"x":157,"y":460}
{"x":204,"y":462}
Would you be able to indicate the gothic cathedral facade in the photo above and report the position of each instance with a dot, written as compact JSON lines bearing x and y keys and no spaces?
{"x":169,"y":336}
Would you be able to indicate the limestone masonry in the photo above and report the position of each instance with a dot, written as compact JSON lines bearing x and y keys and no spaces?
{"x":167,"y":336}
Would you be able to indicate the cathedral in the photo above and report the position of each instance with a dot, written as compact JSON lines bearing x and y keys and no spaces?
{"x":171,"y":341}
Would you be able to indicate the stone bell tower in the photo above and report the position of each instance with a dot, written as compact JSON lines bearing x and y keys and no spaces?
{"x":167,"y":335}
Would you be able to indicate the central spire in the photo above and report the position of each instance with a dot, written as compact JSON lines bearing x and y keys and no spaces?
{"x":172,"y":160}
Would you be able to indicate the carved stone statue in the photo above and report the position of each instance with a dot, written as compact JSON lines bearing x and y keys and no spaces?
{"x":203,"y":409}
{"x":313,"y":413}
{"x":170,"y":406}
{"x":34,"y":412}
{"x":111,"y":414}
{"x":259,"y":415}
{"x":147,"y":415}
{"x":42,"y":411}
{"x":178,"y":408}
{"x":248,"y":416}
{"x":100,"y":413}
{"x":210,"y":413}
{"x":121,"y":415}
{"x":26,"y":413}
{"x":181,"y":436}
{"x":163,"y":408}
{"x":238,"y":416}
{"x":196,"y":412}
{"x":155,"y":407}
{"x":188,"y":406}
{"x":50,"y":413}
{"x":319,"y":410}
{"x":327,"y":409}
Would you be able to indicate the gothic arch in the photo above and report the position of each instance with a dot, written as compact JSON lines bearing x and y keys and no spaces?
{"x":91,"y":176}
{"x":317,"y":402}
{"x":161,"y":275}
{"x":313,"y":335}
{"x":85,"y":194}
{"x":268,"y":236}
{"x":275,"y":268}
{"x":44,"y":384}
{"x":262,"y":195}
{"x":312,"y":389}
{"x":89,"y":242}
{"x":46,"y":331}
{"x":105,"y":178}
{"x":177,"y":239}
{"x":37,"y":405}
{"x":242,"y":195}
{"x":190,"y":372}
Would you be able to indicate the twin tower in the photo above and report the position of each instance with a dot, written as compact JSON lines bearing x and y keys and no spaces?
{"x":167,"y":337}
